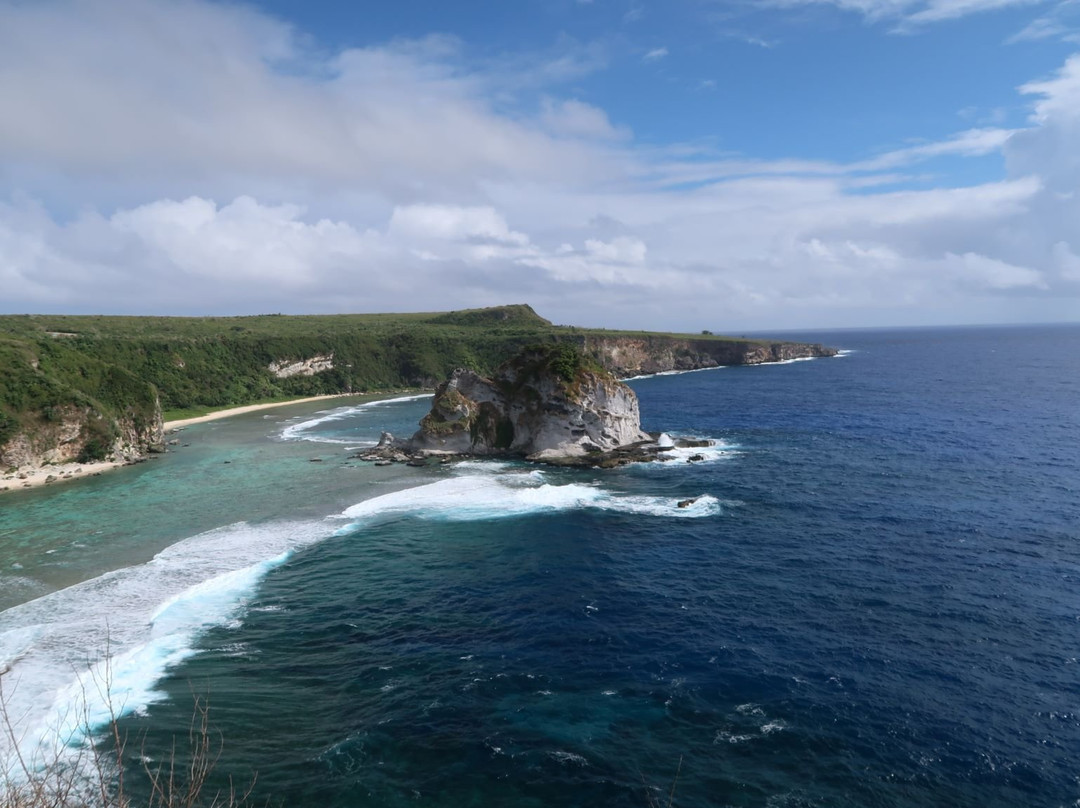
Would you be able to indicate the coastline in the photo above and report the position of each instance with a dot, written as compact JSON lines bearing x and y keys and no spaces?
{"x":215,"y":416}
{"x":56,"y":473}
{"x":26,"y":478}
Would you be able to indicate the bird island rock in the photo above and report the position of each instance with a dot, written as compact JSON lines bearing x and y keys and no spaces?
{"x":548,"y":403}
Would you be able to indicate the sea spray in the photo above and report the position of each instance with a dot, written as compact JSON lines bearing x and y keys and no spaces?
{"x":304,"y":429}
{"x":75,"y":657}
{"x":505,"y":495}
{"x":80,"y":656}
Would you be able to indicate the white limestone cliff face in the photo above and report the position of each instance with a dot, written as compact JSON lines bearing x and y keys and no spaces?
{"x":64,"y":439}
{"x":284,"y":368}
{"x":627,"y":356}
{"x":529,"y":409}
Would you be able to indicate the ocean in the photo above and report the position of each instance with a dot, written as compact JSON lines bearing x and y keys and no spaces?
{"x":873,"y":601}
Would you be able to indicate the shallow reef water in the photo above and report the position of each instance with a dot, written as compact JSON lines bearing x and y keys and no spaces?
{"x":872,"y":602}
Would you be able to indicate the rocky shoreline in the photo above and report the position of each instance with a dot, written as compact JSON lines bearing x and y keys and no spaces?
{"x":659,"y":448}
{"x":550,"y":404}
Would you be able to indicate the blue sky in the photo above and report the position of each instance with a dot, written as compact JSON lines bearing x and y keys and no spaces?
{"x":686,"y":165}
{"x":815,"y":81}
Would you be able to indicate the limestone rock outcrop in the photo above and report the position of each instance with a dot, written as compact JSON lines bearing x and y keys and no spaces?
{"x":548,"y":403}
{"x":287,"y":368}
{"x":82,"y":434}
{"x":628,"y":356}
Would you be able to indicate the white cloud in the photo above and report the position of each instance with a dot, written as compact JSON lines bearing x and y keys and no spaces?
{"x":1066,"y":262}
{"x":205,"y":179}
{"x":571,"y":118}
{"x":972,"y":143}
{"x":224,"y":91}
{"x":451,"y":223}
{"x":991,"y":273}
{"x":655,"y":55}
{"x":913,"y":12}
{"x":1049,"y":148}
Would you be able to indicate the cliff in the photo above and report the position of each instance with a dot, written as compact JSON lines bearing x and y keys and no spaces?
{"x":91,"y":385}
{"x":546,"y":403}
{"x":632,"y":355}
{"x":58,"y":405}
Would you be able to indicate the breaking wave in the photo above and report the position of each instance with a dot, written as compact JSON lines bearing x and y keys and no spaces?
{"x":490,"y":496}
{"x":303,"y":429}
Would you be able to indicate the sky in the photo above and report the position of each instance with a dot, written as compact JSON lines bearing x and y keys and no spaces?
{"x":731,"y":165}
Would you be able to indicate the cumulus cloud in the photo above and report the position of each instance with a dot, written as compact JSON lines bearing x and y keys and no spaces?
{"x":237,"y":171}
{"x":223,"y":90}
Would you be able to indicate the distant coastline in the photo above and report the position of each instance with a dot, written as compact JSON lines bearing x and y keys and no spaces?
{"x":95,"y":389}
{"x":179,"y":423}
{"x":27,"y":478}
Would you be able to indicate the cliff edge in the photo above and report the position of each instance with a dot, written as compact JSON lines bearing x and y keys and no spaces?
{"x":60,"y":406}
{"x":548,"y":403}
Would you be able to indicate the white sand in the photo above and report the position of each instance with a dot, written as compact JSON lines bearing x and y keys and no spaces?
{"x":27,"y":477}
{"x":46,"y":475}
{"x":214,"y":416}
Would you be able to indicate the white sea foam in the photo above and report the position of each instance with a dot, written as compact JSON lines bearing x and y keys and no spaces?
{"x":672,"y":373}
{"x":723,"y":736}
{"x":783,"y":362}
{"x":678,"y":456}
{"x":16,"y":584}
{"x":568,"y":757}
{"x":76,"y":656}
{"x":302,"y":430}
{"x":482,"y":496}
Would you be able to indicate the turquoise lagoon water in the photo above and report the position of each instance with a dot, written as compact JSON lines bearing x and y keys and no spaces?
{"x":872,"y":603}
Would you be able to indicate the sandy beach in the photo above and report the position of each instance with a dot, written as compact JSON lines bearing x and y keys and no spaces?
{"x":214,"y":416}
{"x":58,"y":472}
{"x":27,"y":477}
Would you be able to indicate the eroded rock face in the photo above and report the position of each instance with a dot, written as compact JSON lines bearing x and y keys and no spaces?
{"x":286,"y":368}
{"x":632,"y":356}
{"x":66,"y":436}
{"x":545,"y":404}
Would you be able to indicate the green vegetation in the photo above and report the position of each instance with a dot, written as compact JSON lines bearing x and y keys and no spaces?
{"x":112,"y":370}
{"x":563,"y":360}
{"x":45,"y":383}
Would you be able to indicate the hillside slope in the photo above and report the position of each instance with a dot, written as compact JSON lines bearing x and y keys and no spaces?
{"x":94,"y":386}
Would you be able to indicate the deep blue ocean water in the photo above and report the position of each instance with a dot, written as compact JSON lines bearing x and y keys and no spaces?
{"x":875,"y":602}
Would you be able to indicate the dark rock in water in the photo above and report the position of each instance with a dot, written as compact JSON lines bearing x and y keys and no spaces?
{"x":686,"y":503}
{"x":384,"y":462}
{"x":316,"y":460}
{"x":693,"y":443}
{"x":697,"y":458}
